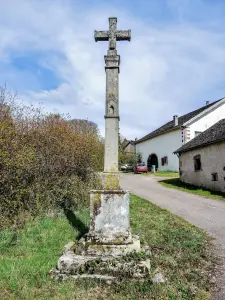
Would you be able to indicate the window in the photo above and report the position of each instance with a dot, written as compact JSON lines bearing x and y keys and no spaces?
{"x":164,"y":160}
{"x":214,"y":176}
{"x":197,"y":163}
{"x":141,"y":164}
{"x":197,"y":133}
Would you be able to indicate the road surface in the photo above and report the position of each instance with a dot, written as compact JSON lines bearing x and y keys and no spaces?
{"x":205,"y":213}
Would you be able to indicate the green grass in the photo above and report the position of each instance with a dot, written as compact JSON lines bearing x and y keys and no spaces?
{"x":189,"y":188}
{"x":166,"y":174}
{"x":159,"y":174}
{"x":180,"y":251}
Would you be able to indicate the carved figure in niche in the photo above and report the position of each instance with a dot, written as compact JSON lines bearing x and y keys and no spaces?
{"x":111,"y":104}
{"x":111,"y":110}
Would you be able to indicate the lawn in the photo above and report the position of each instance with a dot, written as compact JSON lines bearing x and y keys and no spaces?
{"x":176,"y":183}
{"x":166,"y":174}
{"x":182,"y":252}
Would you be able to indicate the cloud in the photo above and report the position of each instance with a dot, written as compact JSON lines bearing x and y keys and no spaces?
{"x":168,"y":68}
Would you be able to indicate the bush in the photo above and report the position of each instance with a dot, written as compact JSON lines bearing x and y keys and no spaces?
{"x":45,"y":160}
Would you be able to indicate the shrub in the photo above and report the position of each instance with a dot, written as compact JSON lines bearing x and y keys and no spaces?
{"x":45,"y":160}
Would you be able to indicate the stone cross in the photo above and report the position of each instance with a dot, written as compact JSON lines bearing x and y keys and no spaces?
{"x":109,"y":234}
{"x":110,"y":207}
{"x":112,"y":62}
{"x":112,"y":35}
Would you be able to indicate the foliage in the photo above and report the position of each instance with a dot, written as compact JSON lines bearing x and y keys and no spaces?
{"x":45,"y":159}
{"x":179,"y":250}
{"x":127,"y":158}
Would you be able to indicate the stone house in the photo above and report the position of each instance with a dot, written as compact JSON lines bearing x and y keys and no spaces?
{"x":202,"y":160}
{"x":158,"y":146}
{"x":129,"y":146}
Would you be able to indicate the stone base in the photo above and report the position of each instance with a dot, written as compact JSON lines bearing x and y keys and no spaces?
{"x":116,"y":261}
{"x":108,"y":249}
{"x":86,"y":246}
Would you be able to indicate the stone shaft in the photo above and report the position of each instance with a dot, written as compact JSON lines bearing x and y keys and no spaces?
{"x":111,"y":113}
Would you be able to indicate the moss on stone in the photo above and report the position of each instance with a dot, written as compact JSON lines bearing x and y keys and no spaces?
{"x":96,"y":203}
{"x":129,"y":266}
{"x":111,"y":182}
{"x":96,"y":198}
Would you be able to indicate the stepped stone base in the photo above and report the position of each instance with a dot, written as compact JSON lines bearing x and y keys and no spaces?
{"x":88,"y":246}
{"x":103,"y":262}
{"x":109,"y":249}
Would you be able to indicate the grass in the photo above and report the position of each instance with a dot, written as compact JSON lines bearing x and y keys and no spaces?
{"x":159,"y":174}
{"x":180,"y":251}
{"x":189,"y":188}
{"x":165,"y":174}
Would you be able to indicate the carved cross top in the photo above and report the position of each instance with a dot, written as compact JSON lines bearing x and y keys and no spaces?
{"x":112,"y":35}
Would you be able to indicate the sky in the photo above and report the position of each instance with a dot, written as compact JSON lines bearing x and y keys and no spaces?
{"x":174,"y":63}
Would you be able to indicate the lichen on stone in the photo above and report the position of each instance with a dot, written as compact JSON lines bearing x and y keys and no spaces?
{"x":96,"y":202}
{"x":134,"y":264}
{"x":111,"y":181}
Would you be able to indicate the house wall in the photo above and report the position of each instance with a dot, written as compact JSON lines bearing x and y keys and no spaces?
{"x":212,"y":161}
{"x":130,"y":149}
{"x":207,"y":120}
{"x":163,"y":145}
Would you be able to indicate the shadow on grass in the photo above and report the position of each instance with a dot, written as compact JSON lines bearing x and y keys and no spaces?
{"x":74,"y":221}
{"x":178,"y":184}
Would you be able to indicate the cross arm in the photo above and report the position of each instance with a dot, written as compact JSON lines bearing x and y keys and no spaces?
{"x":101,"y":36}
{"x":123,"y":35}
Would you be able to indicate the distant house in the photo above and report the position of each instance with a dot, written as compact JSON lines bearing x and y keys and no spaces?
{"x":202,"y":160}
{"x":158,"y":146}
{"x":128,"y":146}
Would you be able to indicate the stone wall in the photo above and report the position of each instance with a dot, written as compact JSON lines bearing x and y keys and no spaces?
{"x":212,"y":161}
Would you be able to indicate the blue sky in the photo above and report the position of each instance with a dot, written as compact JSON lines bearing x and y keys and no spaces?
{"x":174,"y":63}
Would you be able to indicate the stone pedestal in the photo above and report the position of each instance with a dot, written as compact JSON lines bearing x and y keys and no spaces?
{"x":110,"y":217}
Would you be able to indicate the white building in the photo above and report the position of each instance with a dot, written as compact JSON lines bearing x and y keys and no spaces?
{"x":202,"y":160}
{"x":158,"y":146}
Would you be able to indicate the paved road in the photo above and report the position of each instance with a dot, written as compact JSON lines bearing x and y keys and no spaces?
{"x":205,"y":213}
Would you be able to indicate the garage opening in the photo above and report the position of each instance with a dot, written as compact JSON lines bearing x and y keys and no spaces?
{"x":153,"y":161}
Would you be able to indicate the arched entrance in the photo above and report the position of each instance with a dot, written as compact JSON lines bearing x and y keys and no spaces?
{"x":153,"y":160}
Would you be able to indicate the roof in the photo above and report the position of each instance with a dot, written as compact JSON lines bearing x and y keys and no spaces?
{"x":169,"y":126}
{"x":127,"y":142}
{"x":214,"y":134}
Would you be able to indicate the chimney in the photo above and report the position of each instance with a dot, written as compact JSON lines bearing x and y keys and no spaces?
{"x":207,"y":102}
{"x":175,"y":119}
